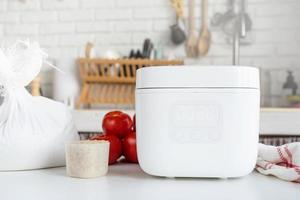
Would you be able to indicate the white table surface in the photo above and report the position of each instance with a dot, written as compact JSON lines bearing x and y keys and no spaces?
{"x":127,"y":181}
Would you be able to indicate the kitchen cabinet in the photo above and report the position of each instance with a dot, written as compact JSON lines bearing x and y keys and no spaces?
{"x":128,"y":181}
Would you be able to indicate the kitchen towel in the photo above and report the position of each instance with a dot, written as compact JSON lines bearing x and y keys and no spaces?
{"x":280,"y":161}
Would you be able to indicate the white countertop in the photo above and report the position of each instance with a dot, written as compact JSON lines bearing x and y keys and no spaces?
{"x":127,"y":181}
{"x":273,"y":121}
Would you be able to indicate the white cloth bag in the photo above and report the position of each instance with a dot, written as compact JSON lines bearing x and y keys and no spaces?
{"x":33,"y":130}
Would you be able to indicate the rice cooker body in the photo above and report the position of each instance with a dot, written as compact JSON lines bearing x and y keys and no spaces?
{"x":197,"y":128}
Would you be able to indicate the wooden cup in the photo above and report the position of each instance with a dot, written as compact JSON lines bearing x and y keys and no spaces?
{"x":87,"y":159}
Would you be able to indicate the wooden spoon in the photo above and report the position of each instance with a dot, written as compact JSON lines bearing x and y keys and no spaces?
{"x":205,"y":35}
{"x":191,"y":48}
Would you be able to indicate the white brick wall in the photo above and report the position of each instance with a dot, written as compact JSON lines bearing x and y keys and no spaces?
{"x":57,"y":28}
{"x":63,"y":27}
{"x":77,"y":15}
{"x":43,"y":17}
{"x":58,"y":4}
{"x":21,"y":29}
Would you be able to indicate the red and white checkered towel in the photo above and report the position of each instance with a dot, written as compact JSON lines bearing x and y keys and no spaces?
{"x":282,"y":161}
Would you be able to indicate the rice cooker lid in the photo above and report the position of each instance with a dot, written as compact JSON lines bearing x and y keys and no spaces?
{"x":197,"y":77}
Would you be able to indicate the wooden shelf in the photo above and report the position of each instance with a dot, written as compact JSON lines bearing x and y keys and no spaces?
{"x":106,"y":81}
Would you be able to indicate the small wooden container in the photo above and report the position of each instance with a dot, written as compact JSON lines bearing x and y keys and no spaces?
{"x":87,"y":159}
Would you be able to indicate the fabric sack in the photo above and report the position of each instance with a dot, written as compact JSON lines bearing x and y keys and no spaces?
{"x":33,"y":130}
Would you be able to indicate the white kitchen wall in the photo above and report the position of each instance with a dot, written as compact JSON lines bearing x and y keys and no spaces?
{"x":64,"y":26}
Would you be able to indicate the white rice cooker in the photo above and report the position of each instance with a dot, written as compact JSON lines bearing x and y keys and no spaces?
{"x":197,"y":121}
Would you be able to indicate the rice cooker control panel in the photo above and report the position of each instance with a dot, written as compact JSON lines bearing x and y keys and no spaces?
{"x":195,"y":122}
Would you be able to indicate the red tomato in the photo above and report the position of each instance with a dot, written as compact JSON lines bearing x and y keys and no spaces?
{"x":115,"y":147}
{"x":116,"y":112}
{"x":129,"y":148}
{"x":117,"y":123}
{"x":134,"y":124}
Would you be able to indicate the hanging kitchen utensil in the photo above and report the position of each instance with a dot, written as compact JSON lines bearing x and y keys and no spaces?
{"x":177,"y":34}
{"x":240,"y":26}
{"x":205,"y":35}
{"x":235,"y":22}
{"x":220,"y":18}
{"x":191,"y":42}
{"x":178,"y":30}
{"x":229,"y":20}
{"x":246,"y":23}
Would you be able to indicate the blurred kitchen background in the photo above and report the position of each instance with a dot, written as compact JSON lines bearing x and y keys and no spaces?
{"x":115,"y":27}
